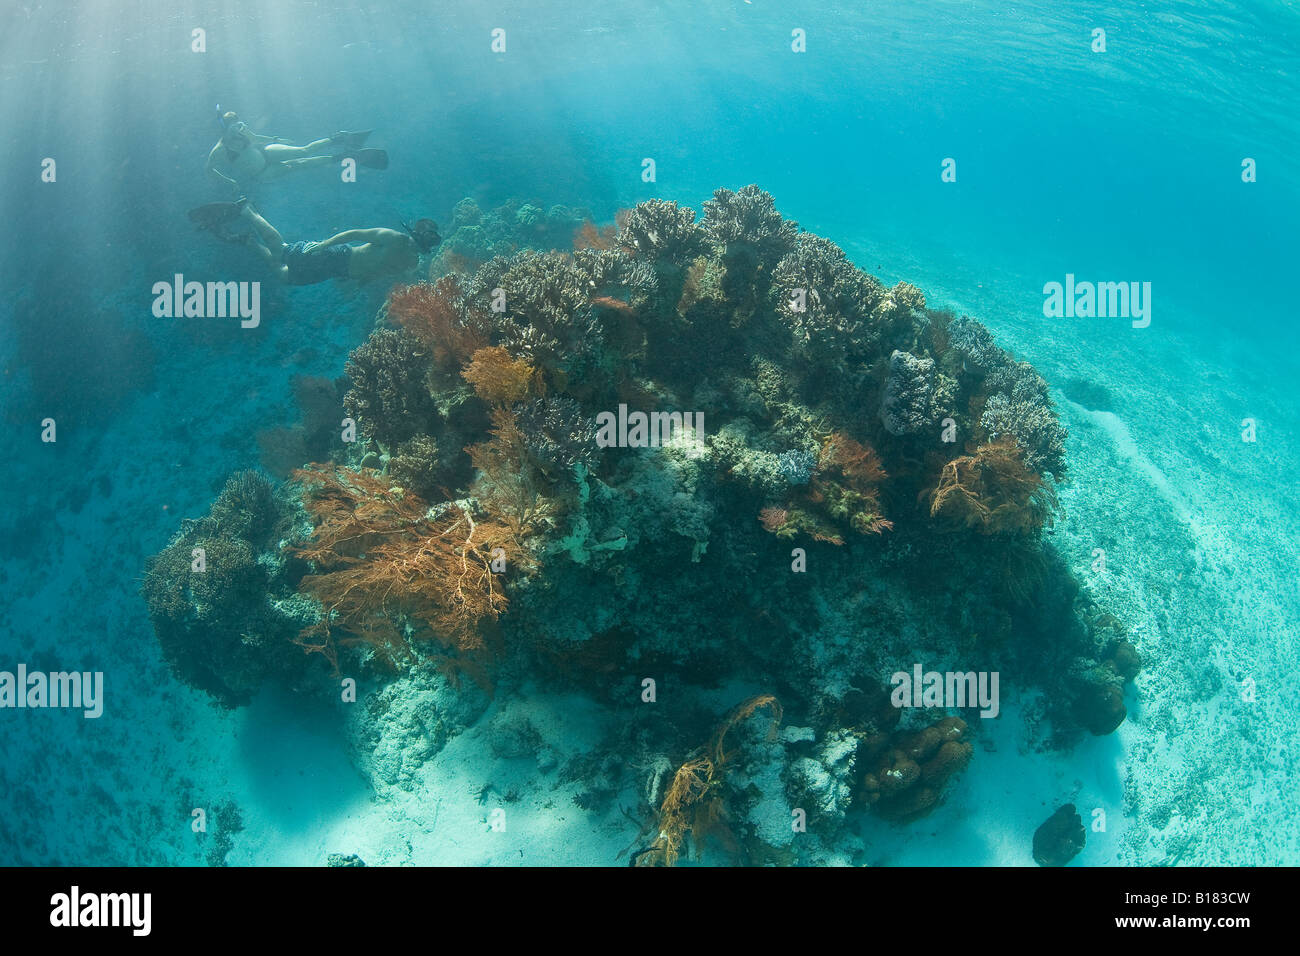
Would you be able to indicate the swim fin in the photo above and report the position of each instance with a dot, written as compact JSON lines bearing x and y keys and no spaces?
{"x":374,"y":158}
{"x":349,"y":137}
{"x":215,"y":214}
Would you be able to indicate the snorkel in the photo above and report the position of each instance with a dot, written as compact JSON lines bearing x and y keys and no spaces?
{"x":424,"y":234}
{"x":232,"y":128}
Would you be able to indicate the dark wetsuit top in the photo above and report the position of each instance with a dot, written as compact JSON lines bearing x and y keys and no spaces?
{"x":304,"y":269}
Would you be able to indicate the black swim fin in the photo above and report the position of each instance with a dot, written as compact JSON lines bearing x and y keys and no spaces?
{"x":350,"y":137}
{"x":214,"y":214}
{"x":374,"y":158}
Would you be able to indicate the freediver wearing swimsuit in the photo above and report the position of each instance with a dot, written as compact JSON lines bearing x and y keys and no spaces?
{"x":242,"y":157}
{"x":359,"y":254}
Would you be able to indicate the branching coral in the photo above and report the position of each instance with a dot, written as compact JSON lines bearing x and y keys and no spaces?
{"x":837,"y":298}
{"x":606,"y":273}
{"x":389,"y":397}
{"x":1020,"y":408}
{"x":220,"y":599}
{"x":657,"y":230}
{"x":557,"y":436}
{"x":416,"y":465}
{"x":974,"y":346}
{"x":748,"y":217}
{"x":992,"y":492}
{"x":540,"y":311}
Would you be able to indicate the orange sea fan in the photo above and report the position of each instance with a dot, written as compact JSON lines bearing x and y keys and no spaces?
{"x":773,"y":518}
{"x":433,"y":313}
{"x":992,"y":492}
{"x":856,"y":462}
{"x":591,"y":236}
{"x":385,"y":565}
{"x":498,"y":378}
{"x":694,"y":801}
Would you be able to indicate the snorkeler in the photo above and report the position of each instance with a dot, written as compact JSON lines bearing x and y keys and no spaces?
{"x":242,"y":157}
{"x":377,"y":253}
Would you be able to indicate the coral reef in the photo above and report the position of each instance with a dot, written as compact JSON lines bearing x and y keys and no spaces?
{"x":388,"y":397}
{"x":876,"y":477}
{"x":476,"y":236}
{"x":659,"y":231}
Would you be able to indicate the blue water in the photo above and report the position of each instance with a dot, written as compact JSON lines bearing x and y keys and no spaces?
{"x":1122,"y":165}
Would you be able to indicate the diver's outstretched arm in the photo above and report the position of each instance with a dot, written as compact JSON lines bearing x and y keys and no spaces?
{"x":211,"y":167}
{"x":351,"y":235}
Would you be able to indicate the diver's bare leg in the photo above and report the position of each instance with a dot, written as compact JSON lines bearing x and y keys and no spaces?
{"x":279,"y":152}
{"x":279,"y":271}
{"x":267,"y":233}
{"x":308,"y":162}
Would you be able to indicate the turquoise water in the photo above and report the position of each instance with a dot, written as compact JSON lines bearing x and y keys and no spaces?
{"x":1123,"y":165}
